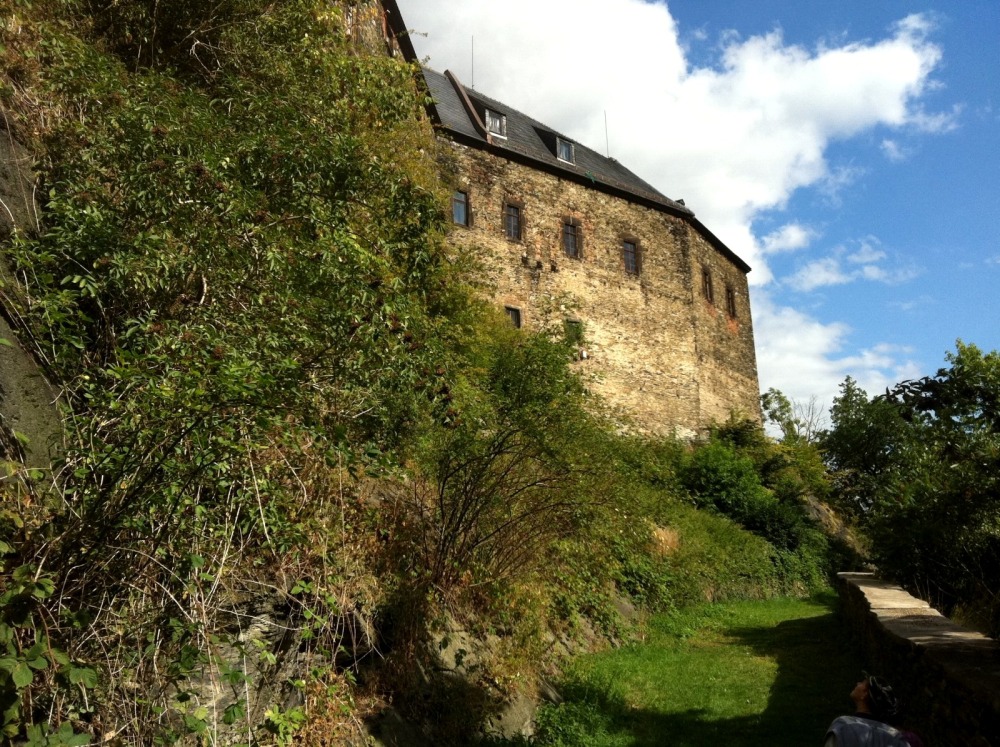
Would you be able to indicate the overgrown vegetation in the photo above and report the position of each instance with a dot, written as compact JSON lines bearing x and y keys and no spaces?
{"x":293,"y":435}
{"x":917,"y":468}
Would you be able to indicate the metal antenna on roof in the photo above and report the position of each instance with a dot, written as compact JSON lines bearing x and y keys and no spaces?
{"x":473,"y":62}
{"x":607,"y":142}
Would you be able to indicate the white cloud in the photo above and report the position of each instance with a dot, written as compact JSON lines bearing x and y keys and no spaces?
{"x":836,"y":180}
{"x":734,"y":140}
{"x":937,"y":122}
{"x":788,"y":238}
{"x":804,"y":357}
{"x":819,"y":274}
{"x":867,"y":253}
{"x":845,"y":266}
{"x":923,"y":302}
{"x":894,"y":151}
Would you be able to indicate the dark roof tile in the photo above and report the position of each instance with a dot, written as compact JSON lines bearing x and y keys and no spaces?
{"x":535,"y":140}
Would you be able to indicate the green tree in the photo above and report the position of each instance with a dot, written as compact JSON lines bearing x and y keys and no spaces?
{"x":919,"y":468}
{"x":871,"y":448}
{"x":798,"y":422}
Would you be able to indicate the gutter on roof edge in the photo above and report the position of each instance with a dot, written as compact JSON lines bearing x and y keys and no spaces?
{"x":399,"y":30}
{"x":721,"y":247}
{"x":469,"y":108}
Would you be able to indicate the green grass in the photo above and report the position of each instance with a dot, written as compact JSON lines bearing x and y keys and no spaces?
{"x":749,"y":673}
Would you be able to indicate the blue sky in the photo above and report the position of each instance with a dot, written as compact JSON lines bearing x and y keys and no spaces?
{"x":849,"y":151}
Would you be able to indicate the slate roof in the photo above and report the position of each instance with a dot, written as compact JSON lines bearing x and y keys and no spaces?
{"x":460,"y":112}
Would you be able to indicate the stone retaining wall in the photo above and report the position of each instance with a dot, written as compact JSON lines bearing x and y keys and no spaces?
{"x":948,"y":676}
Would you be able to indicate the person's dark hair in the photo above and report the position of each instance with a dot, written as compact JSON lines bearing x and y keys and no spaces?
{"x":884,"y":702}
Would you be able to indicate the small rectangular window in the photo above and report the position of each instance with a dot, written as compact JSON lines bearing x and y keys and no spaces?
{"x":512,"y":222}
{"x":706,"y":285}
{"x":496,"y":123}
{"x":572,"y":244}
{"x":630,"y":254}
{"x":460,"y":208}
{"x":564,"y":150}
{"x":730,"y":301}
{"x":514,"y":314}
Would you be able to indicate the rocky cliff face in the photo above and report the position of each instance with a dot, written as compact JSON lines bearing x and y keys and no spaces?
{"x":29,"y":418}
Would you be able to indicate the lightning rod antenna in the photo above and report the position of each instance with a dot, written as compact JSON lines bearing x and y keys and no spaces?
{"x":473,"y":62}
{"x":607,"y":142}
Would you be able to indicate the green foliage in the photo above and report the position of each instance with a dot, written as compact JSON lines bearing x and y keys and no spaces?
{"x":33,"y":671}
{"x":871,"y":449}
{"x":284,"y":724}
{"x":777,"y":408}
{"x":251,"y":311}
{"x":508,"y":468}
{"x":762,"y":486}
{"x":243,"y":299}
{"x":924,"y":458}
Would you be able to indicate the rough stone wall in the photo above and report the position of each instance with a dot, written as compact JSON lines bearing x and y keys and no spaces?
{"x":948,"y":676}
{"x":367,"y":27}
{"x":660,"y":354}
{"x":727,"y":364}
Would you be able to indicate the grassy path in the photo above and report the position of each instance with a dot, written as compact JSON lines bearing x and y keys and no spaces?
{"x":744,"y":673}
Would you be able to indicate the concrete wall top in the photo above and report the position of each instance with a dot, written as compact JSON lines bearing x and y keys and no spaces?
{"x":948,"y":675}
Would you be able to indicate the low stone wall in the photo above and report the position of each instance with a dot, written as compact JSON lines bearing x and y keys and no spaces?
{"x":948,"y":677}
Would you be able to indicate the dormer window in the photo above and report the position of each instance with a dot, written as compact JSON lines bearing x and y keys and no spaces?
{"x":496,"y":123}
{"x":564,"y":150}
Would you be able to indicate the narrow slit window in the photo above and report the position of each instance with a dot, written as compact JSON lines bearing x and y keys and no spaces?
{"x":706,"y":285}
{"x":514,"y":314}
{"x":572,"y":240}
{"x":512,"y":222}
{"x":730,"y":301}
{"x":460,"y":208}
{"x":630,"y":255}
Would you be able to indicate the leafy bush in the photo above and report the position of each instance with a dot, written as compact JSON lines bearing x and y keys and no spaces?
{"x":504,"y":473}
{"x":918,"y":468}
{"x":244,"y":303}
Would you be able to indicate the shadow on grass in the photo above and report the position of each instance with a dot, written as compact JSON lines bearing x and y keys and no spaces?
{"x":816,"y":668}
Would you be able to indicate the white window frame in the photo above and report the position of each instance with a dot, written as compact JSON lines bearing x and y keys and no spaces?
{"x":560,"y":142}
{"x":499,"y":119}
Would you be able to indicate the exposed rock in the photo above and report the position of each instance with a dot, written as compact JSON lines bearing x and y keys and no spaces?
{"x":30,"y":425}
{"x":18,"y":209}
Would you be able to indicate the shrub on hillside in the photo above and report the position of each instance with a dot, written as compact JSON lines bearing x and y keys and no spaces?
{"x":726,"y":475}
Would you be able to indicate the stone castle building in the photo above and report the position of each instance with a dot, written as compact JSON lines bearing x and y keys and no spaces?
{"x":657,"y":304}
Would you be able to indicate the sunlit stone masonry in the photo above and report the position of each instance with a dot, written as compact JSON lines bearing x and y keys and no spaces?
{"x":658,"y":304}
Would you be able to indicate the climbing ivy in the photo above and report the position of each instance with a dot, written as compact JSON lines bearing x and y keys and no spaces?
{"x":242,"y":290}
